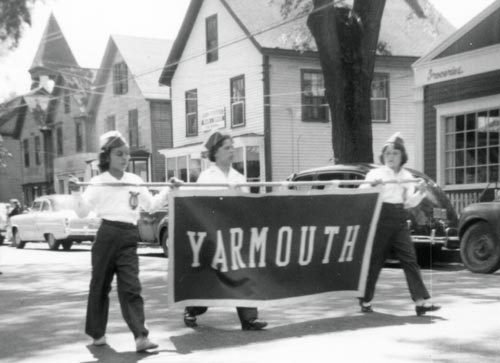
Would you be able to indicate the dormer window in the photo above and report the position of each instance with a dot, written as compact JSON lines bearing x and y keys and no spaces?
{"x":120,"y":78}
{"x":212,"y":38}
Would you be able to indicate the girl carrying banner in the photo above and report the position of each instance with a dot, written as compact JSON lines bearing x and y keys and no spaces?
{"x":392,"y":230}
{"x":221,"y":152}
{"x":114,"y":251}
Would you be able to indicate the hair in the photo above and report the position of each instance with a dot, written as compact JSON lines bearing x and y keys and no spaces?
{"x":396,"y":146}
{"x":213,"y":150}
{"x":105,"y":152}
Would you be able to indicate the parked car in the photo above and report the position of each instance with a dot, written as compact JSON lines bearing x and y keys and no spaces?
{"x":433,"y":223}
{"x":153,"y":228}
{"x":479,"y":232}
{"x":52,"y":219}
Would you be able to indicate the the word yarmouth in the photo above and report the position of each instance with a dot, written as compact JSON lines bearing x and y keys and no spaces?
{"x":228,"y":248}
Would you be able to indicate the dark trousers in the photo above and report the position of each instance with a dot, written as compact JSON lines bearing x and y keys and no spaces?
{"x":245,"y":314}
{"x":115,"y":252}
{"x":392,"y":234}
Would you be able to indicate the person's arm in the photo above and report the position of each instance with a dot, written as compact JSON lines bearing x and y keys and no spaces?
{"x":415,"y":193}
{"x":83,"y":201}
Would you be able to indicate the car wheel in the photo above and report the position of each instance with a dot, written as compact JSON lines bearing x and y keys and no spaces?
{"x":16,"y":240}
{"x":67,"y":245}
{"x":479,"y":249}
{"x":164,"y":242}
{"x":52,"y":242}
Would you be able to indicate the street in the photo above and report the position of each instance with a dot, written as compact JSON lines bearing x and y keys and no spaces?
{"x":43,"y":302}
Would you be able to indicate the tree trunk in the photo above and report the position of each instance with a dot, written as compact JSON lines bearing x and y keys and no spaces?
{"x":347,"y":43}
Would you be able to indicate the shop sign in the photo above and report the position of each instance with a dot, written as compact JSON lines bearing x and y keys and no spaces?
{"x":434,"y":75}
{"x":213,"y":119}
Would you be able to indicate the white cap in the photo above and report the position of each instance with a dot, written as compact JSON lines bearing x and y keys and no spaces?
{"x":397,"y":138}
{"x":109,"y":137}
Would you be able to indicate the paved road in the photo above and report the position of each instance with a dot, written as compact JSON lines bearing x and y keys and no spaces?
{"x":42,"y":310}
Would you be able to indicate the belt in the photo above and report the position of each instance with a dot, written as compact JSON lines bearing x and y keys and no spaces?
{"x":119,"y":224}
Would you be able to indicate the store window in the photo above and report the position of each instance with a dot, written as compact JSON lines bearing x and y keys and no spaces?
{"x":314,"y":104}
{"x":380,"y":97}
{"x":472,"y":144}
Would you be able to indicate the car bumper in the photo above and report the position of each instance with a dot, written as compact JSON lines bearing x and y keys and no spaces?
{"x":450,"y":240}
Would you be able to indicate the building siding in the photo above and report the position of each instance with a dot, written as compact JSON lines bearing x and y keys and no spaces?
{"x":298,"y":145}
{"x":212,"y":80}
{"x":476,"y":86}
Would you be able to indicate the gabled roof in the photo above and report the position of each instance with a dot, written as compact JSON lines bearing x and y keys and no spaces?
{"x":13,"y":111}
{"x":402,"y":31}
{"x":53,"y":51}
{"x":144,"y":58}
{"x":455,"y":42}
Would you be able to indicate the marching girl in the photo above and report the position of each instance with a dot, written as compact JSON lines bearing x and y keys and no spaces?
{"x":114,"y":251}
{"x":392,"y":230}
{"x":221,"y":152}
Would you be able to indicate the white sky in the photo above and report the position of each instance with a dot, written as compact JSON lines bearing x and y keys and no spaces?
{"x":87,"y":25}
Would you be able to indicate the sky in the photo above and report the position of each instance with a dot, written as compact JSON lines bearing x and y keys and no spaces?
{"x":87,"y":25}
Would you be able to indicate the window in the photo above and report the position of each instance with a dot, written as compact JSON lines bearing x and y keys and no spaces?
{"x":133,"y":128}
{"x":26,"y":149}
{"x":79,"y":135}
{"x":38,"y":159}
{"x":237,"y":101}
{"x":314,"y":104}
{"x":380,"y":97}
{"x":472,"y":145}
{"x":110,"y":123}
{"x":120,"y":78}
{"x":59,"y":140}
{"x":192,"y":113}
{"x":67,"y":101}
{"x":212,"y":38}
{"x":139,"y":166}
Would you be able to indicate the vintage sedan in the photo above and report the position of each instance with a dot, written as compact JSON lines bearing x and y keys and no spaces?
{"x":479,"y":232}
{"x":433,"y":223}
{"x":52,"y":219}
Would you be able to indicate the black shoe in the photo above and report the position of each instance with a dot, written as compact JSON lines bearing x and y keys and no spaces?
{"x":254,"y":324}
{"x":421,"y":310}
{"x":365,"y":308}
{"x":190,"y":320}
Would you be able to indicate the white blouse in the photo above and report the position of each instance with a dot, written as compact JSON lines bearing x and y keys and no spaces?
{"x":215,"y":175}
{"x":395,"y":193}
{"x":121,"y":203}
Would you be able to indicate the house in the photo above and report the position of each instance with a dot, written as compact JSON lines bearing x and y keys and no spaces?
{"x":458,"y":103}
{"x":235,"y":65}
{"x":126,"y":97}
{"x":51,"y":122}
{"x":21,"y":123}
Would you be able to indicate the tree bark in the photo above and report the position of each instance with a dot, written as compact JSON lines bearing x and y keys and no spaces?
{"x":347,"y":43}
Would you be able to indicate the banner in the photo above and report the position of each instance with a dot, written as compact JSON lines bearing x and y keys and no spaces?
{"x":228,"y":248}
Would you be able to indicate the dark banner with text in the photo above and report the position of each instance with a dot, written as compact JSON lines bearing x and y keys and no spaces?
{"x":228,"y":248}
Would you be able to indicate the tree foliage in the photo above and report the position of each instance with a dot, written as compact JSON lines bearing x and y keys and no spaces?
{"x":14,"y":15}
{"x":347,"y":41}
